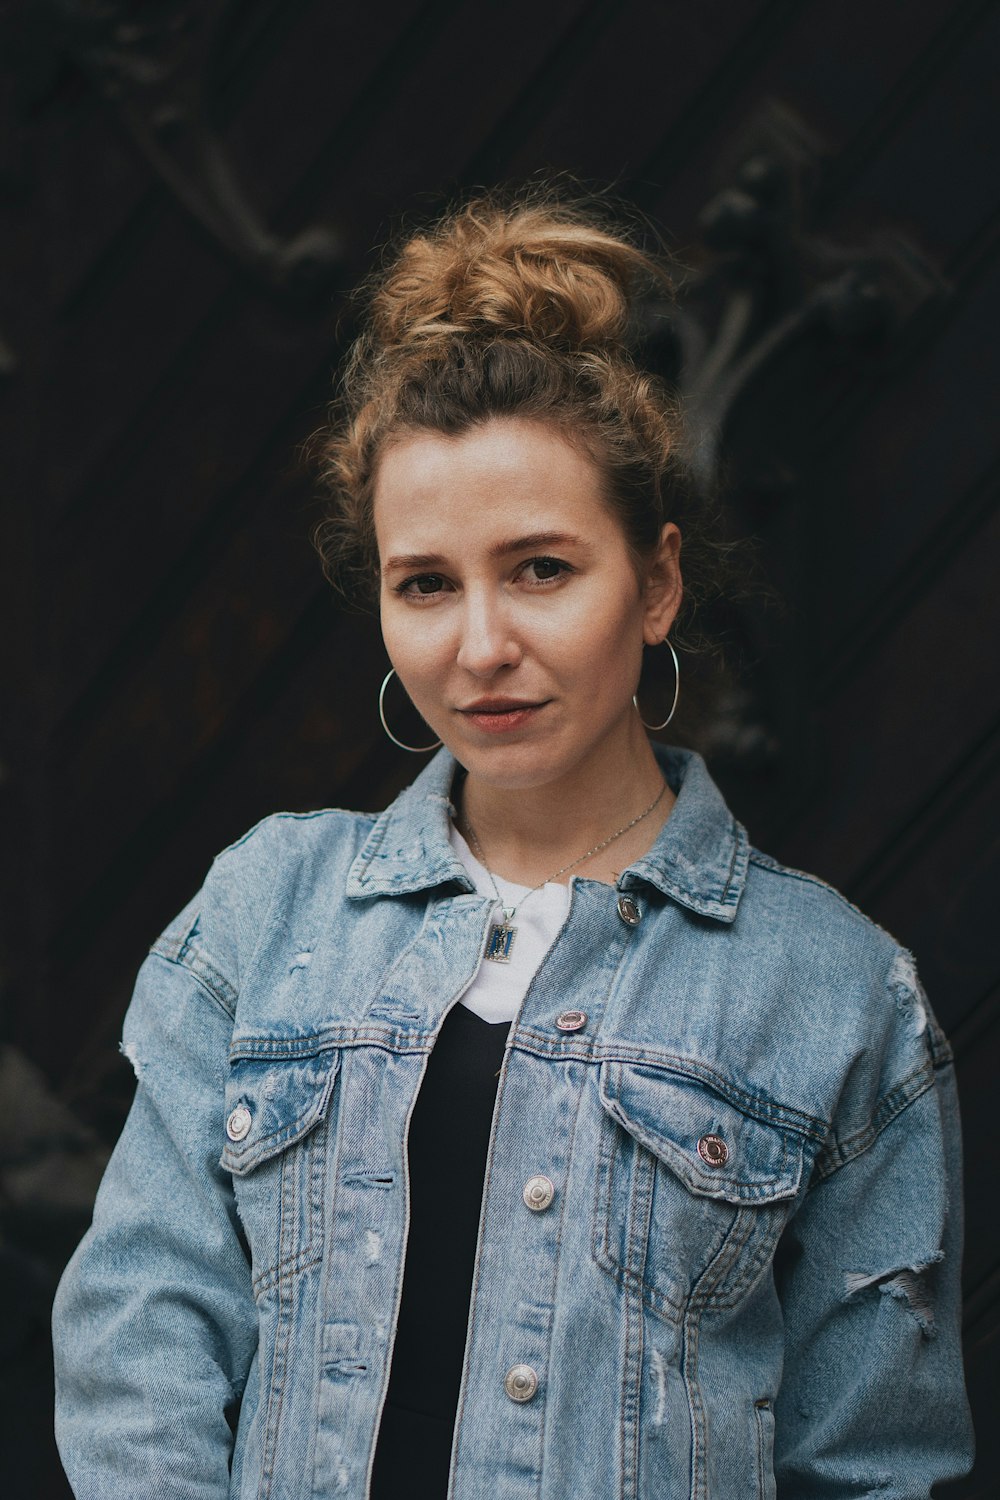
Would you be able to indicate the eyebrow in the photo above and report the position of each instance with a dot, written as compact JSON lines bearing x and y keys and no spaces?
{"x":530,"y":543}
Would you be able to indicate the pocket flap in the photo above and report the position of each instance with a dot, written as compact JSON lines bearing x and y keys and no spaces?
{"x":272,"y":1103}
{"x":673,"y":1116}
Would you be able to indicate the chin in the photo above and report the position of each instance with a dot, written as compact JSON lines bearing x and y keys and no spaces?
{"x":513,"y":768}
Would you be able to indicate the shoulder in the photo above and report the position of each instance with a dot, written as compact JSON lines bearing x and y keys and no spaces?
{"x":286,"y":863}
{"x":326,"y":832}
{"x":823,"y":920}
{"x":854,"y":989}
{"x":291,"y":856}
{"x":806,"y":915}
{"x":791,"y":889}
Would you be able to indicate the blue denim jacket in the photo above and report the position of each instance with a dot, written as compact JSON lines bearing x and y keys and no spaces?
{"x":746,"y":1283}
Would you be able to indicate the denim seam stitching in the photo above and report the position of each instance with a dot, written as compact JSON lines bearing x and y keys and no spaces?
{"x":601,"y":1236}
{"x":749,"y":1270}
{"x":269,"y":1146}
{"x":938,"y":1045}
{"x":768,"y":862}
{"x":656,"y":1298}
{"x":203,"y":973}
{"x":363,"y":876}
{"x":264,"y":925}
{"x":765,"y":1113}
{"x":760,"y":1452}
{"x":753,"y":1191}
{"x":285,"y":1135}
{"x":291,"y":1262}
{"x":735,"y":829}
{"x":709,"y":1288}
{"x":276,"y":1386}
{"x":696,"y":1407}
{"x":630,"y":1418}
{"x":638,"y":1225}
{"x":840,"y":1153}
{"x":527,"y":1040}
{"x":286,"y":1269}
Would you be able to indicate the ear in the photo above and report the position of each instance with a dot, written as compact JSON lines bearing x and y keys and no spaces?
{"x":664,"y":588}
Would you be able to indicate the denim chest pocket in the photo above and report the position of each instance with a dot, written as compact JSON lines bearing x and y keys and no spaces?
{"x":275,"y":1129}
{"x":691,"y":1192}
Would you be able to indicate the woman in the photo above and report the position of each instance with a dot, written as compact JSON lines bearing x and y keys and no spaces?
{"x":541,"y":1131}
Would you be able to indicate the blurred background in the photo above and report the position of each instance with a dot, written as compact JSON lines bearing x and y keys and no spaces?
{"x":187,"y":193}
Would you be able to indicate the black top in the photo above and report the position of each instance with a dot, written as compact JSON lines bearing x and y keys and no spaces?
{"x":448,"y":1142}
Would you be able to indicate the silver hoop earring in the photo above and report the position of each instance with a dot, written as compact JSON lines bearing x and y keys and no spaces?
{"x":677,"y":689}
{"x":414,"y":749}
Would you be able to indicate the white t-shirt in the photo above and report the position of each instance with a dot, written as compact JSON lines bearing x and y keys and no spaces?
{"x":498,"y":989}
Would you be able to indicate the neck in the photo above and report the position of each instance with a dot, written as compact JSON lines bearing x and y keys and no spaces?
{"x":526,"y":834}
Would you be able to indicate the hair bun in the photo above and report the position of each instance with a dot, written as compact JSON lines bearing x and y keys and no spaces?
{"x":544,"y":271}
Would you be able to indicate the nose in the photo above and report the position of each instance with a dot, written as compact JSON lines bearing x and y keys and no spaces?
{"x":488,"y":641}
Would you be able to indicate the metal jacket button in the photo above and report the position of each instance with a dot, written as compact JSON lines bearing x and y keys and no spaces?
{"x":628,"y":910}
{"x":713,"y":1150}
{"x":521,"y":1383}
{"x":572,"y":1020}
{"x":239,"y":1122}
{"x":538,"y":1193}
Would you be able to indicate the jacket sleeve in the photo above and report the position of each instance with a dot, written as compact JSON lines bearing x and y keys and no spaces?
{"x":154,"y":1320}
{"x":872,"y":1399}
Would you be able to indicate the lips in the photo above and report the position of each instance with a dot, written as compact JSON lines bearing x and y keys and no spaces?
{"x":498,"y":705}
{"x":501,"y":715}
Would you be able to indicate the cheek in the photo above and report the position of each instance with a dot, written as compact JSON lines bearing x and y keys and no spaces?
{"x":415,"y":647}
{"x":394,"y":637}
{"x":599,"y":643}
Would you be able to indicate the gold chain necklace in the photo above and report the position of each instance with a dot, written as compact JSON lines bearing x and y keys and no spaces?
{"x":502,"y":934}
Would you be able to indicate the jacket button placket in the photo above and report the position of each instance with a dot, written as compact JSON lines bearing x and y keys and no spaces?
{"x":513,"y":1315}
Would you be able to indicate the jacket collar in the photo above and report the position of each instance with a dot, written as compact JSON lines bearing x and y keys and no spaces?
{"x":699,"y":859}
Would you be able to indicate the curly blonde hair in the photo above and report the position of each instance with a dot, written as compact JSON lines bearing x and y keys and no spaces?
{"x":513,"y":304}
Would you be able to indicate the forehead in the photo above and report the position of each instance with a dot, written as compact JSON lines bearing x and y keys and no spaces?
{"x":497,"y":474}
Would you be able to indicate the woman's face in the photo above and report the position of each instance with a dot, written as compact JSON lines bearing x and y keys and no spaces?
{"x":510,"y":603}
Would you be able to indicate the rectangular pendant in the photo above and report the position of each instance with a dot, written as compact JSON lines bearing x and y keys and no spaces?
{"x":500,"y":942}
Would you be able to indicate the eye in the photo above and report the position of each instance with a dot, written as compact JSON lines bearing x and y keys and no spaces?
{"x":422,"y":585}
{"x":545,"y":569}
